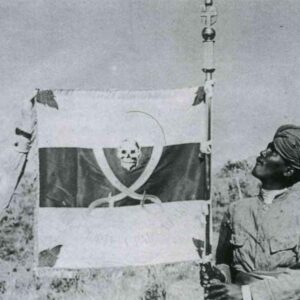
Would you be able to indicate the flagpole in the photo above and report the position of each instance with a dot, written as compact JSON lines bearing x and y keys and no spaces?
{"x":209,"y":18}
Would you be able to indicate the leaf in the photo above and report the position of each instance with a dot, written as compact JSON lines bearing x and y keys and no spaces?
{"x":47,"y":97}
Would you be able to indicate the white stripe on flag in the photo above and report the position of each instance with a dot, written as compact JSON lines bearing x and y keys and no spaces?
{"x":127,"y":236}
{"x":93,"y":119}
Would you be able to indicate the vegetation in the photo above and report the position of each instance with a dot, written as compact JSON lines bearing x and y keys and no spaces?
{"x":233,"y":182}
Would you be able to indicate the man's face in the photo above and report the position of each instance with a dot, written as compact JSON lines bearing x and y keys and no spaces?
{"x":270,"y":166}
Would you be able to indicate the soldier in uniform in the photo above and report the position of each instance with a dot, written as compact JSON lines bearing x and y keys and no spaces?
{"x":257,"y":256}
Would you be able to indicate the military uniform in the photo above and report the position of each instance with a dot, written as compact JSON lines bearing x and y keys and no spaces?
{"x":260,"y":244}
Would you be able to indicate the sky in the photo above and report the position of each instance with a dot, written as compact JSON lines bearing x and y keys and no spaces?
{"x":157,"y":44}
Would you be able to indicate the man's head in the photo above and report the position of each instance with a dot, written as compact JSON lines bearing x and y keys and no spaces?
{"x":278,"y":166}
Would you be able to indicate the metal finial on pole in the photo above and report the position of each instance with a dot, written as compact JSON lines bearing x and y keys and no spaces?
{"x":209,"y":18}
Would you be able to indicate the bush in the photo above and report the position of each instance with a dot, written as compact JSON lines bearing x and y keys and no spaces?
{"x":233,"y":182}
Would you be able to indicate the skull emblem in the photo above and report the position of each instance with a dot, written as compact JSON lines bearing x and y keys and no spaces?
{"x":129,"y":153}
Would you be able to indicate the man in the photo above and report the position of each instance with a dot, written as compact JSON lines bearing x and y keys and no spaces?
{"x":258,"y":250}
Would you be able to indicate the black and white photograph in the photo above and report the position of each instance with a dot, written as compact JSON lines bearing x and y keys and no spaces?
{"x":150,"y":150}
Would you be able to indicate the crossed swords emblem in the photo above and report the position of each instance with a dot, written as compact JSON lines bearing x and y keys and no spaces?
{"x":124,"y":190}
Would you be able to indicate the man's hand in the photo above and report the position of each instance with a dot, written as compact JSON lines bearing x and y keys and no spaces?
{"x":209,"y":273}
{"x":209,"y":88}
{"x":205,"y":147}
{"x":222,"y":291}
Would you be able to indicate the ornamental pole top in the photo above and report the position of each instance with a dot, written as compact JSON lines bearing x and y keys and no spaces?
{"x":209,"y":13}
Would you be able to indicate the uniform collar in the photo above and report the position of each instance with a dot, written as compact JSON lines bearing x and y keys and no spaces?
{"x":268,"y":196}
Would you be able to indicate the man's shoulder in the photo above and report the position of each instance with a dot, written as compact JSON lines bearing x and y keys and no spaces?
{"x":245,"y":203}
{"x":242,"y":211}
{"x":294,"y":192}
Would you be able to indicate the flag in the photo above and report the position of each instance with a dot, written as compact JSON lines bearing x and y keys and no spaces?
{"x":121,"y":180}
{"x":122,"y":144}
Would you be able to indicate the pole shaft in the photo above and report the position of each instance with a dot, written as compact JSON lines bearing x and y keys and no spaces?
{"x":209,"y":15}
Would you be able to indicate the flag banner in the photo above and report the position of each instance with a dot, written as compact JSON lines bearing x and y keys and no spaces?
{"x":121,"y":181}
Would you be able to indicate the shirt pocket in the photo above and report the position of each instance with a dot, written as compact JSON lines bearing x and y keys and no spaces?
{"x":285,"y":243}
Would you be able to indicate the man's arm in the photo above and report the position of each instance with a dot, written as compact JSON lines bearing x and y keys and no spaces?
{"x":224,"y":255}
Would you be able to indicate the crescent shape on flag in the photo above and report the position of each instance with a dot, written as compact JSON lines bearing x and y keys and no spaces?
{"x":164,"y":140}
{"x":126,"y":191}
{"x":155,"y":157}
{"x":130,"y":191}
